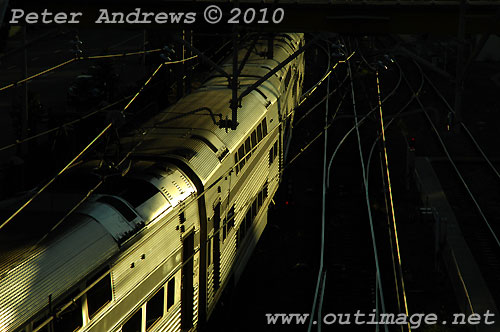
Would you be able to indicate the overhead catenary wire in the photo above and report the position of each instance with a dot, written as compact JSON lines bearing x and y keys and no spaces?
{"x":143,"y":134}
{"x":181,"y":210}
{"x":27,"y":79}
{"x":445,"y":149}
{"x":308,"y":93}
{"x":390,"y":94}
{"x":369,"y":159}
{"x":68,"y":165}
{"x":279,"y":174}
{"x":82,"y":292}
{"x":309,"y":111}
{"x":463,"y":125}
{"x":69,"y":123}
{"x":132,"y":150}
{"x":199,"y":195}
{"x":67,"y":62}
{"x":106,"y":56}
{"x":88,"y":194}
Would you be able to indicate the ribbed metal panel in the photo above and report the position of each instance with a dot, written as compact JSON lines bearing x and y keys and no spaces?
{"x":205,"y":162}
{"x":153,"y":207}
{"x":111,"y":219}
{"x":174,"y":185}
{"x":54,"y":268}
{"x":173,"y":323}
{"x":227,"y":256}
{"x":273,"y":181}
{"x":156,"y":248}
{"x":195,"y":304}
{"x":254,"y":185}
{"x":210,"y":287}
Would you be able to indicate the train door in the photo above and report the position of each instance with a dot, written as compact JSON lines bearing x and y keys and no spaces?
{"x":187,"y":294}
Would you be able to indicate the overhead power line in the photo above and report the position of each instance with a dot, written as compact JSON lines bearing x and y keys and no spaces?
{"x":182,"y":209}
{"x":32,"y":77}
{"x":445,"y":149}
{"x":92,"y":142}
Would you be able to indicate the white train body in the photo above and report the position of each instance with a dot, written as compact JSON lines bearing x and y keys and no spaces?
{"x":154,"y":249}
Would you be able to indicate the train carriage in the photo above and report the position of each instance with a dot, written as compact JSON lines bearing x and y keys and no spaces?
{"x":153,"y":250}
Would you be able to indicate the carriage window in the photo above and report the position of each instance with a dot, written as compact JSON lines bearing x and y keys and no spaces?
{"x":243,"y":231}
{"x":99,"y":295}
{"x":254,"y":209}
{"x":230,"y":217}
{"x":248,"y":218}
{"x":238,"y":239}
{"x":209,"y":252}
{"x":241,"y":153}
{"x":71,"y":318}
{"x":259,"y":132}
{"x":228,"y":222}
{"x":170,"y":293}
{"x":264,"y":127}
{"x":236,"y":165}
{"x":134,"y":323}
{"x":248,"y":148}
{"x":243,"y":222}
{"x":254,"y":138}
{"x":154,"y":308}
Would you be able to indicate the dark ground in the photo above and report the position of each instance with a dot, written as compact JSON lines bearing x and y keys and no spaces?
{"x":281,"y":275}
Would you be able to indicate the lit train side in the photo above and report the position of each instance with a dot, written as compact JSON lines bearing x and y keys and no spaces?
{"x":154,"y":249}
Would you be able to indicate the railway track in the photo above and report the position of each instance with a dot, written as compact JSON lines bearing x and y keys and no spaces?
{"x":349,"y":255}
{"x":470,"y":185}
{"x":478,"y":237}
{"x":482,"y":180}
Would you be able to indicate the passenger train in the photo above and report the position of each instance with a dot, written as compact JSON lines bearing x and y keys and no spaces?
{"x":153,"y":248}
